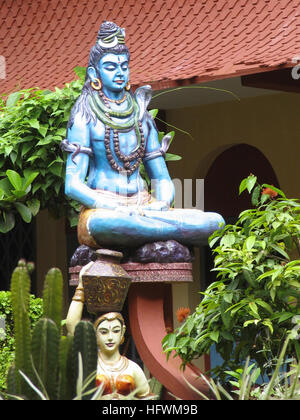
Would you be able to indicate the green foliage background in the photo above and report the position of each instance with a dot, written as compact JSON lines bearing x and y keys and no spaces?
{"x":32,"y":125}
{"x":7,"y":340}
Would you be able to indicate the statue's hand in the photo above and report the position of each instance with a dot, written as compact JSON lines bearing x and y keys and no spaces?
{"x":130,"y":210}
{"x":157,"y":205}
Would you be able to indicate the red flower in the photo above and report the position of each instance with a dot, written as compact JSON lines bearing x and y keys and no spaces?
{"x":270,"y":192}
{"x":182,"y":314}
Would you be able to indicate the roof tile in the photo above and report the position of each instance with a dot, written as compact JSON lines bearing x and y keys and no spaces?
{"x":175,"y":40}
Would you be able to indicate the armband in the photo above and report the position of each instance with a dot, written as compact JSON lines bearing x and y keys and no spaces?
{"x":165,"y":144}
{"x":75,"y":149}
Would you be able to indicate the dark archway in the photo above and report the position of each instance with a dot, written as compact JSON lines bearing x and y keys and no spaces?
{"x":224,"y":176}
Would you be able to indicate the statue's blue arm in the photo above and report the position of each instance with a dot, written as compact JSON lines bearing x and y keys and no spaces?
{"x":161,"y":183}
{"x":76,"y":171}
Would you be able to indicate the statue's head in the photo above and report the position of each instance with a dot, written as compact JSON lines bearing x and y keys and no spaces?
{"x":110,"y":330}
{"x":109,"y":58}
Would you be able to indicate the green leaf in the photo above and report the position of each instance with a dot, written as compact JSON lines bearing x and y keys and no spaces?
{"x":34,"y":206}
{"x":285,"y":316}
{"x":32,"y":158}
{"x":250,"y":278}
{"x":80,"y":71}
{"x":228,"y":297}
{"x":251,"y":321}
{"x":249,"y":243}
{"x":254,"y":309}
{"x":172,"y":157}
{"x":43,"y":130}
{"x":7,"y":223}
{"x":247,"y":183}
{"x":264,"y":305}
{"x":294,"y":283}
{"x":274,"y":189}
{"x":214,"y":335}
{"x":44,"y":141}
{"x":273,"y":293}
{"x":264,"y":198}
{"x":13,"y":156}
{"x":170,"y":340}
{"x":30,"y":177}
{"x":255,"y":195}
{"x":24,"y":212}
{"x":280,"y":251}
{"x":34,"y":124}
{"x":228,"y":240}
{"x":25,"y":149}
{"x":153,"y":112}
{"x":8,"y":149}
{"x":226,"y":317}
{"x":5,"y":186}
{"x":13,"y":99}
{"x":56,"y":169}
{"x":14,"y":179}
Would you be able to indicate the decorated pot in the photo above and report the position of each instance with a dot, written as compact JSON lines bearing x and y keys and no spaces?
{"x":106,"y":283}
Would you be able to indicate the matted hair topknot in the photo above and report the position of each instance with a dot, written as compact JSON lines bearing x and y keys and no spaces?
{"x":110,"y":34}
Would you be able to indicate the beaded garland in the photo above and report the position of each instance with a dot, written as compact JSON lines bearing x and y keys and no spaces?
{"x":102,"y":109}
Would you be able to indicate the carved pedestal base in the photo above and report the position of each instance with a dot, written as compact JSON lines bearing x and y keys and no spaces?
{"x":148,"y":273}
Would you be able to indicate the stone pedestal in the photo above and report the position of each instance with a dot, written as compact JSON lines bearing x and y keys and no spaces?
{"x":148,"y":272}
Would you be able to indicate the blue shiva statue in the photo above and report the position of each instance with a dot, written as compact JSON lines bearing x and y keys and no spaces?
{"x":110,"y":133}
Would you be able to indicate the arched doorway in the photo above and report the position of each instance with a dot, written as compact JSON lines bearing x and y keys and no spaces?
{"x":221,"y":190}
{"x":225,"y":175}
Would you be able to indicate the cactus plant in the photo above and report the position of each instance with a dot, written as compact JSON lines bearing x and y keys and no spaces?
{"x":53,"y":296}
{"x":65,"y":369}
{"x":45,"y":362}
{"x":20,"y":295}
{"x":45,"y":350}
{"x":85,"y":344}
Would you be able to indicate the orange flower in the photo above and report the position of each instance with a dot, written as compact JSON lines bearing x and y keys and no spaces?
{"x":182,"y":314}
{"x":270,"y":192}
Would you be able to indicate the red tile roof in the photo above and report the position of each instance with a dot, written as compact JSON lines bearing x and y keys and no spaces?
{"x":172,"y":42}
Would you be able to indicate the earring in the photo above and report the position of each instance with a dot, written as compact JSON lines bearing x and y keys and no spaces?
{"x":127,"y":87}
{"x":98,"y":86}
{"x":122,"y":340}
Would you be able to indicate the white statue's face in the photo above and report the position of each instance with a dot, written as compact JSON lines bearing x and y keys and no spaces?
{"x":109,"y":335}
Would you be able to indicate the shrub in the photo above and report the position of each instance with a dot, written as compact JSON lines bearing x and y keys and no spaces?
{"x":32,"y":125}
{"x":251,"y":307}
{"x":7,"y":341}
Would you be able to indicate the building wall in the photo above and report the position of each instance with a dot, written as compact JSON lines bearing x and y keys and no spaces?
{"x":269,"y":123}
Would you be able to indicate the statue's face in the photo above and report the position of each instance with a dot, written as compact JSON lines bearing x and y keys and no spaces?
{"x":114,"y":71}
{"x":109,"y":335}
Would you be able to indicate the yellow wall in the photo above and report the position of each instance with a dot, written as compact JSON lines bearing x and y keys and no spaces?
{"x":270,"y":123}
